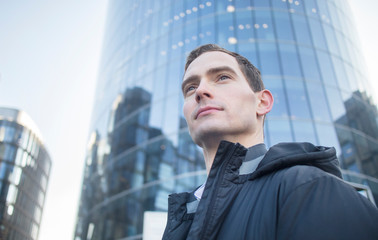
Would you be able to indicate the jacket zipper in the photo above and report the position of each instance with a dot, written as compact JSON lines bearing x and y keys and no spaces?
{"x":207,"y":219}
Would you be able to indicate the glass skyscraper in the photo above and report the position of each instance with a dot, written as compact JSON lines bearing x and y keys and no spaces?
{"x":140,"y":150}
{"x":24,"y":173}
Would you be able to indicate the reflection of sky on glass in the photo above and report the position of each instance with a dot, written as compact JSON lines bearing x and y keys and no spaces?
{"x":49,"y":55}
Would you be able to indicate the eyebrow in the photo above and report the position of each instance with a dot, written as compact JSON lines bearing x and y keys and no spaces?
{"x":211,"y":71}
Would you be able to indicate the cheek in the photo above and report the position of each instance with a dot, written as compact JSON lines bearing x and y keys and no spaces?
{"x":186,"y":110}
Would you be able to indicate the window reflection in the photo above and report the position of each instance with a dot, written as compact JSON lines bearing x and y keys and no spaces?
{"x":304,"y":131}
{"x":302,"y":33}
{"x":269,"y":64}
{"x":279,"y":131}
{"x":319,"y":105}
{"x":297,"y":97}
{"x":283,"y":26}
{"x":289,"y":60}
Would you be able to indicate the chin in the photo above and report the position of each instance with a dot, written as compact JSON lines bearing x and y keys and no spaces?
{"x":204,"y":135}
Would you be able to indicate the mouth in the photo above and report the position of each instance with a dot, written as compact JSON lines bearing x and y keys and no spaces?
{"x":205,"y":111}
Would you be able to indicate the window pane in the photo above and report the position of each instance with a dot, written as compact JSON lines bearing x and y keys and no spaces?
{"x":326,"y":69}
{"x":283,"y":26}
{"x":268,"y":59}
{"x":301,"y":30}
{"x":289,"y":60}
{"x":278,"y":131}
{"x":304,"y":131}
{"x":297,"y":99}
{"x":318,"y":102}
{"x":309,"y":64}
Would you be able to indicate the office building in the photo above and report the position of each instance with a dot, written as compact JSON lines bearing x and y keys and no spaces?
{"x":140,"y":150}
{"x":24,"y":174}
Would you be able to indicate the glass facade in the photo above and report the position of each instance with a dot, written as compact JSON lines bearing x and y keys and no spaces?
{"x":24,"y":173}
{"x":140,"y":150}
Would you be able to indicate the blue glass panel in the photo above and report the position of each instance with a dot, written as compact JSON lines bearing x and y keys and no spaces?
{"x":309,"y":64}
{"x":166,"y":20}
{"x":278,"y":131}
{"x":176,"y":43}
{"x":156,"y":114}
{"x":283,"y":26}
{"x":276,"y":88}
{"x":155,"y":26}
{"x":225,"y":27}
{"x":326,"y":68}
{"x":175,"y":76}
{"x":206,"y":7}
{"x":264,"y":25}
{"x":220,"y":5}
{"x":151,"y":57}
{"x":269,"y":64}
{"x":336,"y":105}
{"x":331,"y":39}
{"x":191,"y":29}
{"x":242,"y":4}
{"x":280,"y":4}
{"x":302,"y":33}
{"x":317,"y":34}
{"x":311,"y":8}
{"x":296,"y":5}
{"x":207,"y":30}
{"x":260,"y":3}
{"x":318,"y":102}
{"x":352,"y":74}
{"x":249,"y":51}
{"x":162,"y":50}
{"x":298,"y":104}
{"x":342,"y":78}
{"x":178,"y":13}
{"x":333,"y":14}
{"x":191,"y":10}
{"x":244,"y":26}
{"x":289,"y":60}
{"x":346,"y":51}
{"x":304,"y":131}
{"x":323,"y":10}
{"x":171,"y":115}
{"x":159,"y":84}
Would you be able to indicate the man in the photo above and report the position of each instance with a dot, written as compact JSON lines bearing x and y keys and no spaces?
{"x":291,"y":191}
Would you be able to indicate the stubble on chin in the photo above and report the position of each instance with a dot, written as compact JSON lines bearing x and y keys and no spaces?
{"x":207,"y":136}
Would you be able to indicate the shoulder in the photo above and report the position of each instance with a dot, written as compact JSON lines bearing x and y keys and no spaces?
{"x":304,"y":179}
{"x":301,"y":174}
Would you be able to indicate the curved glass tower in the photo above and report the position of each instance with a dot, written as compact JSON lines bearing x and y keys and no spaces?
{"x":24,"y":173}
{"x":140,"y":150}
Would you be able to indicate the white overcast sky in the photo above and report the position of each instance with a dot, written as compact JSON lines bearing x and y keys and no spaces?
{"x":49,"y":56}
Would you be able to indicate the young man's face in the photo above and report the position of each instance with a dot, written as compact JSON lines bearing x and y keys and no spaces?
{"x":219,"y":103}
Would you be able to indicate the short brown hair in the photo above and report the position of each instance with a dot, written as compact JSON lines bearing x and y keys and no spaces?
{"x":251,"y":73}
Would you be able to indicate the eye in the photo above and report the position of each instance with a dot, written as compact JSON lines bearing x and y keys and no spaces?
{"x":223,"y":77}
{"x":189,"y":89}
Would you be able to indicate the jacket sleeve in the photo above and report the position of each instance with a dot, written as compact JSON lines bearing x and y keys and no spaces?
{"x":326,"y":208}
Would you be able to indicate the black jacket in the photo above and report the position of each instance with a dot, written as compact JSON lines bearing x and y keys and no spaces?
{"x":296,"y":192}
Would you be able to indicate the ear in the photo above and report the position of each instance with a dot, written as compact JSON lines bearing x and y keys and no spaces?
{"x":265,"y":102}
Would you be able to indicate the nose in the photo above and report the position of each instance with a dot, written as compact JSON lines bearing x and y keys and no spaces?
{"x":202,"y":92}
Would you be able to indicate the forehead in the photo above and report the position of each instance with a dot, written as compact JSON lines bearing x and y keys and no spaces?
{"x":211,"y":60}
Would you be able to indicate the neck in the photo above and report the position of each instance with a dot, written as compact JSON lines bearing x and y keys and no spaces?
{"x":210,"y":148}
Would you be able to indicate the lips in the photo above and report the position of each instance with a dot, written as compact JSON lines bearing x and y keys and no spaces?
{"x":206,"y":110}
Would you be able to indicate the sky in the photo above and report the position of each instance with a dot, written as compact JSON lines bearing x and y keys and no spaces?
{"x":49,"y":56}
